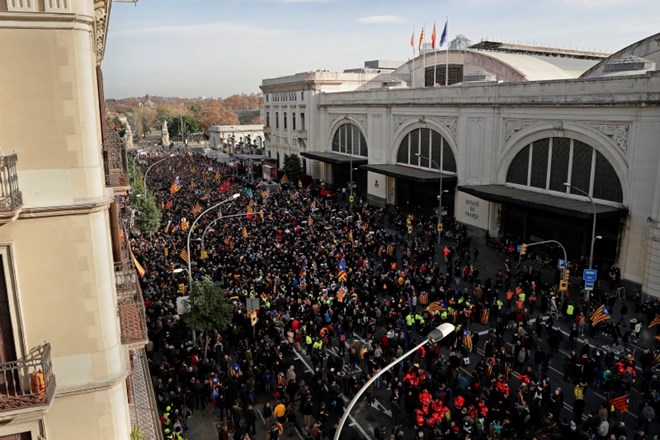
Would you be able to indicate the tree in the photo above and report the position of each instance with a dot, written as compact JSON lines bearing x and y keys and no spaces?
{"x":216,"y":113}
{"x":209,"y":309}
{"x":147,"y":214}
{"x":292,"y":167}
{"x":190,"y":125}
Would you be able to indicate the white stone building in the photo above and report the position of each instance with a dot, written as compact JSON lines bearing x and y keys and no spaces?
{"x":506,"y":147}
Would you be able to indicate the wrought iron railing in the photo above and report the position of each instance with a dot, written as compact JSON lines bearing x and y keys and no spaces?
{"x":115,"y":162}
{"x":27,"y":382}
{"x":130,"y":305}
{"x":10,"y":196}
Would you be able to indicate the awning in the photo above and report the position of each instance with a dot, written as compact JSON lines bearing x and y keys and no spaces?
{"x":542,"y":201}
{"x":254,"y":157}
{"x":334,"y":158}
{"x":408,"y":173}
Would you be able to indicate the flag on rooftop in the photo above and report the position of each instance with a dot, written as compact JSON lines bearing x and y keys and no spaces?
{"x":443,"y":36}
{"x":433,"y":37}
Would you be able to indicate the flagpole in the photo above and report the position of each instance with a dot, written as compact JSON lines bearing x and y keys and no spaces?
{"x":447,"y":56}
{"x":423,"y":58}
{"x":435,"y":58}
{"x":412,"y":73}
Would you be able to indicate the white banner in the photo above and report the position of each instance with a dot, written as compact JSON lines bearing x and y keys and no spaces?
{"x":472,"y":210}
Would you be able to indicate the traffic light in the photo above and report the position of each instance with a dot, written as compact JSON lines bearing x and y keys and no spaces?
{"x":523,"y":249}
{"x":563,"y":286}
{"x":567,"y":275}
{"x":410,"y":229}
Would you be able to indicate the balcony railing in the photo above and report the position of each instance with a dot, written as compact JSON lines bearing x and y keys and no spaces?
{"x":130,"y":305}
{"x":301,"y":134}
{"x":11,"y":199}
{"x":114,"y":161}
{"x":267,"y":129}
{"x":27,"y":383}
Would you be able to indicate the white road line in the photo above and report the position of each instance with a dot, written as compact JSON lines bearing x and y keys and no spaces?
{"x":351,"y":418}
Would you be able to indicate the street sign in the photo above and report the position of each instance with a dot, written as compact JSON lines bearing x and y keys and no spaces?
{"x":563,"y":264}
{"x":182,"y":305}
{"x":588,"y":285}
{"x":518,"y":248}
{"x":590,"y":275}
{"x":252,"y":303}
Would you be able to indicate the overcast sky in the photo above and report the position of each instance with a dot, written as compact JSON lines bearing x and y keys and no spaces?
{"x":217,"y":48}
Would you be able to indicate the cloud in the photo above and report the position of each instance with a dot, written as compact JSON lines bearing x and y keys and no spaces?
{"x":381,"y":19}
{"x":200,"y":30}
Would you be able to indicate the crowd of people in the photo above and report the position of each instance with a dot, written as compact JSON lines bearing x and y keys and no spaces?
{"x":350,"y":278}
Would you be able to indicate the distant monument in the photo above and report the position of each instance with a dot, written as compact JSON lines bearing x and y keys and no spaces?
{"x":128,"y":137}
{"x":165,"y":135}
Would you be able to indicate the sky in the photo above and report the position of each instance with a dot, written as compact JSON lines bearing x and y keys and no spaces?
{"x":217,"y":48}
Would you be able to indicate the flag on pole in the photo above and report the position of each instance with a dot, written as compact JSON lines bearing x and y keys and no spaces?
{"x":138,"y":266}
{"x":421,"y":40}
{"x":655,"y":321}
{"x":184,"y":255}
{"x":412,"y":41}
{"x":620,"y":403}
{"x":467,"y":340}
{"x":433,"y":37}
{"x":176,"y":185}
{"x":443,"y":36}
{"x":601,"y":314}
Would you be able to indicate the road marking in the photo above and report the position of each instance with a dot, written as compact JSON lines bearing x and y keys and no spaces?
{"x":350,"y":417}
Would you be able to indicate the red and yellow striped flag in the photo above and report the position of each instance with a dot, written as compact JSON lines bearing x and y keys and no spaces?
{"x":467,"y":340}
{"x":601,"y":314}
{"x":138,"y":266}
{"x":184,"y":255}
{"x":620,"y":403}
{"x":196,"y":209}
{"x":245,"y":232}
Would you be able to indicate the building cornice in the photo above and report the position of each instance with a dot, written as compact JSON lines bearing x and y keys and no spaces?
{"x":82,"y":208}
{"x":101,"y":16}
{"x":45,"y":20}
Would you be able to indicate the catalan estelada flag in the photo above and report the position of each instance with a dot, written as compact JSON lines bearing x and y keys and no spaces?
{"x":620,"y":403}
{"x":176,"y":185}
{"x":138,"y":266}
{"x":467,"y":339}
{"x":184,"y":255}
{"x":435,"y":306}
{"x":601,"y":314}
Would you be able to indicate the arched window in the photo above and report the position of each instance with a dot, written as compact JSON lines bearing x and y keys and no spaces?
{"x":348,"y":139}
{"x":549,"y":163}
{"x":428,"y":144}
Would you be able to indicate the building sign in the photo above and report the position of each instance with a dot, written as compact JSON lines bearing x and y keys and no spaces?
{"x":472,"y":210}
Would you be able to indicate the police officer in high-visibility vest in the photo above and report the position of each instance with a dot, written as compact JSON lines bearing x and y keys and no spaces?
{"x":308,"y":344}
{"x":410,"y":320}
{"x":419,"y":319}
{"x":570,"y":309}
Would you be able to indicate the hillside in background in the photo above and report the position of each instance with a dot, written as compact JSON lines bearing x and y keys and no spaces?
{"x":192,"y":115}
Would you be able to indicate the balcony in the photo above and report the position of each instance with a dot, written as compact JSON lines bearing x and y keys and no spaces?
{"x":130,"y":306}
{"x":267,"y":130}
{"x":114,"y":162}
{"x":27,"y":385}
{"x":301,"y":134}
{"x":11,"y":199}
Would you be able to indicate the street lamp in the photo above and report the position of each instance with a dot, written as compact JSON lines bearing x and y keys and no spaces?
{"x":192,"y":226}
{"x":144,"y":180}
{"x":593,"y":229}
{"x":436,"y":335}
{"x":440,"y":192}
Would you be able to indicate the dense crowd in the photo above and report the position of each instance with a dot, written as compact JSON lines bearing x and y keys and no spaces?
{"x":349,"y":277}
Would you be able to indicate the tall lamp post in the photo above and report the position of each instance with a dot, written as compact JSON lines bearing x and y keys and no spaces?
{"x":192,"y":226}
{"x":440,"y":191}
{"x":593,"y":228}
{"x":144,"y":179}
{"x":436,"y":335}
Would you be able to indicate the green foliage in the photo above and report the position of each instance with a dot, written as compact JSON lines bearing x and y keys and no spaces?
{"x":190,"y":125}
{"x":209,"y":308}
{"x":147,"y":214}
{"x":137,"y":434}
{"x":292,"y":167}
{"x":116,"y":124}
